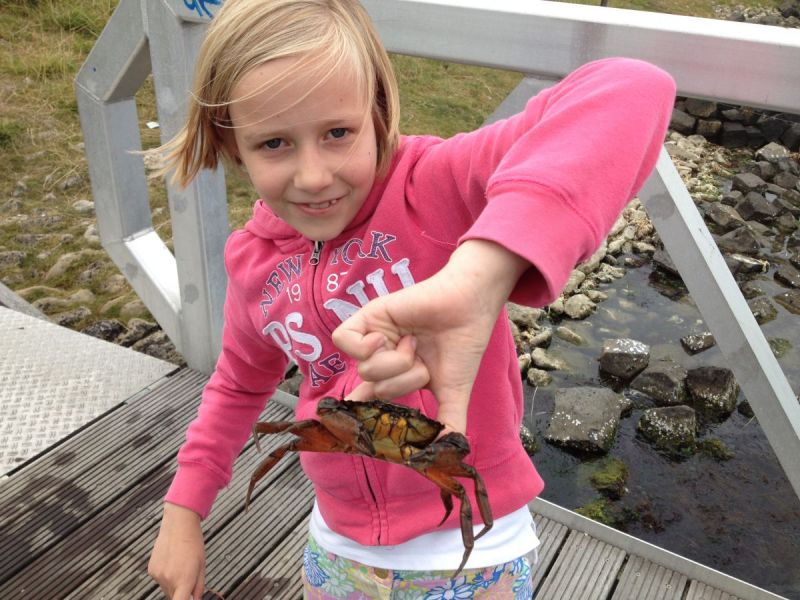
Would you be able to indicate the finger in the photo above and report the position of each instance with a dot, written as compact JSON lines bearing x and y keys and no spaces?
{"x":363,"y":392}
{"x":358,"y":343}
{"x":199,"y":586}
{"x":410,"y":380}
{"x":386,"y":363}
{"x":184,"y":593}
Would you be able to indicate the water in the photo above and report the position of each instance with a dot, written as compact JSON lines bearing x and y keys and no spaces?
{"x":740,"y":516}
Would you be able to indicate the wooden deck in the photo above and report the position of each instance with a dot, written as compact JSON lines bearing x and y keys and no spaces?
{"x":79,"y":521}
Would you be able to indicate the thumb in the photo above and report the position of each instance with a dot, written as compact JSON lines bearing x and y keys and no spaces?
{"x":199,"y":586}
{"x":452,"y":413}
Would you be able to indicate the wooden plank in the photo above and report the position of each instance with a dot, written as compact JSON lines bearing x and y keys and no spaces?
{"x":644,"y":580}
{"x":125,"y":573}
{"x":585,"y":569}
{"x":42,"y":505}
{"x":279,"y":575}
{"x":551,"y":537}
{"x":701,"y":591}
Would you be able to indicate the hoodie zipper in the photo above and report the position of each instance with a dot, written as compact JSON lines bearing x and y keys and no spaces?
{"x":314,"y":260}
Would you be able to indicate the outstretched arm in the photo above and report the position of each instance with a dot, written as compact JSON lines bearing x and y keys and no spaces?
{"x":434,"y":333}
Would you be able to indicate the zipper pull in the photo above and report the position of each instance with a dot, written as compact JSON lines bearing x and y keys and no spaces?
{"x":315,"y":253}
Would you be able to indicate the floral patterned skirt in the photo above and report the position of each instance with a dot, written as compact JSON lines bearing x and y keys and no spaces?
{"x":327,"y":576}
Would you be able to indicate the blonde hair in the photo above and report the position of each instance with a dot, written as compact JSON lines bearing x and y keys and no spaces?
{"x":246,"y":34}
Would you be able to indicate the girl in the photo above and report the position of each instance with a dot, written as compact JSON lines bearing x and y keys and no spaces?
{"x":380,"y":264}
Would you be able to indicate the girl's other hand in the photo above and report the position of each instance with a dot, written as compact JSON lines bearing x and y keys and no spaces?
{"x":434,"y":333}
{"x":177,"y":562}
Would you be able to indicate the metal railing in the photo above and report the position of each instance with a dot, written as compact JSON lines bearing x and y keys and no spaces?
{"x":735,"y":62}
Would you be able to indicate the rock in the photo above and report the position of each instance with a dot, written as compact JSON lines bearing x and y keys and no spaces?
{"x":65,"y":262}
{"x":105,"y":329}
{"x":663,"y":261}
{"x":594,"y":260}
{"x":745,"y":409}
{"x":786,"y":180}
{"x":762,"y":310}
{"x":81,"y":297}
{"x":739,"y":263}
{"x":575,"y":279}
{"x":137,"y":329}
{"x":159,"y":346}
{"x":741,"y":240}
{"x":524,"y":361}
{"x":524,"y":317}
{"x":584,"y":419}
{"x":749,"y":182}
{"x":733,"y":134}
{"x":696,"y":343}
{"x":71,"y":182}
{"x":772,"y":152}
{"x":134,"y":308}
{"x":83,"y":206}
{"x":713,"y":391}
{"x":716,"y":449}
{"x":700,"y":108}
{"x":788,"y":276}
{"x":539,"y":339}
{"x":115,"y":284}
{"x":528,"y":439}
{"x":542,"y":360}
{"x":50,"y":304}
{"x":623,"y":359}
{"x":610,"y":478}
{"x":664,"y":382}
{"x":754,"y":206}
{"x":538,"y":377}
{"x":726,"y":218}
{"x":779,"y":346}
{"x":569,"y":336}
{"x":91,"y":234}
{"x":579,"y":306}
{"x":790,"y":301}
{"x":671,"y":429}
{"x":12,"y":258}
{"x":682,"y":122}
{"x":72,"y":317}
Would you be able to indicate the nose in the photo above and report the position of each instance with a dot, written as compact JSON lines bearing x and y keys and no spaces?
{"x":312,"y":173}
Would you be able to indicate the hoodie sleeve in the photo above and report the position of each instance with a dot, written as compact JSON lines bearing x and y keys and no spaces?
{"x":549,"y":182}
{"x":246,"y":375}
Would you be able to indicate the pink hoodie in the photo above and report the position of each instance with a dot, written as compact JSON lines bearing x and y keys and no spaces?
{"x":546,"y":184}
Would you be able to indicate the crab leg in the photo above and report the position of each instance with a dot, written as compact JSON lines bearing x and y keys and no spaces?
{"x":450,"y":486}
{"x":312,"y":437}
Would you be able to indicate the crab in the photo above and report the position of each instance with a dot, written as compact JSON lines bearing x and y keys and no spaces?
{"x":390,"y":432}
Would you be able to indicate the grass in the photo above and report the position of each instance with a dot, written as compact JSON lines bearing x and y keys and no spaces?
{"x":43,"y":43}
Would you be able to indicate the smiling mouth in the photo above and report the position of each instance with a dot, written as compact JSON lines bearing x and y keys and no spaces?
{"x":320,"y":205}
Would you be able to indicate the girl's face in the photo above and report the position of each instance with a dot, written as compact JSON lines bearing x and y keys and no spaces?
{"x":311,"y":155}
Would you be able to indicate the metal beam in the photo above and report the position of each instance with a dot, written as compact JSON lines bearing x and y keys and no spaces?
{"x":723,"y":60}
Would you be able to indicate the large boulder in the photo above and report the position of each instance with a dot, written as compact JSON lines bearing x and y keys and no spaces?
{"x":585,"y":419}
{"x":713,"y":391}
{"x":623,"y":359}
{"x":671,"y":429}
{"x":664,"y":381}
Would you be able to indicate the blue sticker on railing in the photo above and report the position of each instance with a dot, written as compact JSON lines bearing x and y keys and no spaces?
{"x":200,"y":6}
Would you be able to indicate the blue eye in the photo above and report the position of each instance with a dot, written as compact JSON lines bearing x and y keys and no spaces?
{"x":338,"y":132}
{"x":273,"y":144}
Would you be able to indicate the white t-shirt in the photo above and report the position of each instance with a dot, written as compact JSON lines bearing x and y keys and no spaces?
{"x":510,"y":537}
